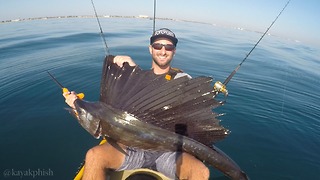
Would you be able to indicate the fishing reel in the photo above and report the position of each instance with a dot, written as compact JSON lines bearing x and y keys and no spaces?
{"x":219,"y":87}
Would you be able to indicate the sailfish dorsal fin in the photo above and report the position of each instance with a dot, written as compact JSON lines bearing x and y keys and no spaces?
{"x":167,"y":104}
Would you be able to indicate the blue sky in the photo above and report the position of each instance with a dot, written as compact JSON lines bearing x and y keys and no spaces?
{"x":298,"y":22}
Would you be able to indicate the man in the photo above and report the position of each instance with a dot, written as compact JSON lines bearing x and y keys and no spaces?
{"x":172,"y":164}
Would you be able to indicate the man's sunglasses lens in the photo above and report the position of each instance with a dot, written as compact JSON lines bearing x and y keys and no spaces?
{"x":168,"y":47}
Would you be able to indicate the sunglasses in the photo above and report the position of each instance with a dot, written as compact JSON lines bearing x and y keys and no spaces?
{"x":167,"y":47}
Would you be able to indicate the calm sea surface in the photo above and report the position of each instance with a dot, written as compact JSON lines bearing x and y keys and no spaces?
{"x":273,"y":109}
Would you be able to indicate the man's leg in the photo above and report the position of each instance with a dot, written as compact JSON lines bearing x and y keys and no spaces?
{"x":189,"y":167}
{"x":182,"y":165}
{"x":100,"y":158}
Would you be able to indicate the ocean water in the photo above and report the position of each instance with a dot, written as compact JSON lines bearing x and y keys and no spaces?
{"x":272,"y":110}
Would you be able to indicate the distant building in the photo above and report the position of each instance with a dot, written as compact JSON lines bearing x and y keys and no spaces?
{"x":143,"y":16}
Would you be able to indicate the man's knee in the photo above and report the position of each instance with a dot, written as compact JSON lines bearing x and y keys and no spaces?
{"x":198,"y":169}
{"x":93,"y":154}
{"x":105,"y":156}
{"x":190,"y":167}
{"x":204,"y":171}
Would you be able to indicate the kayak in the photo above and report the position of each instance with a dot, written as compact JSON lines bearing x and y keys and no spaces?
{"x":127,"y":174}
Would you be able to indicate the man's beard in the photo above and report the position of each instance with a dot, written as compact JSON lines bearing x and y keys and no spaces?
{"x":167,"y":63}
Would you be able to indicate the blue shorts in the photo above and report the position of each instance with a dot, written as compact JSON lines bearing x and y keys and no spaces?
{"x":164,"y":162}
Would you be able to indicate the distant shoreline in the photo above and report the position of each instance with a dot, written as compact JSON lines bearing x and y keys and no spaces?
{"x":118,"y":16}
{"x":135,"y":17}
{"x":101,"y":16}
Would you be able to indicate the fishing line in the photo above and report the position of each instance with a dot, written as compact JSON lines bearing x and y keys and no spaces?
{"x":101,"y":32}
{"x":154,"y":15}
{"x":221,"y":87}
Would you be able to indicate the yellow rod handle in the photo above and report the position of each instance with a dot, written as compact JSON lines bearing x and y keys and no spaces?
{"x":79,"y":95}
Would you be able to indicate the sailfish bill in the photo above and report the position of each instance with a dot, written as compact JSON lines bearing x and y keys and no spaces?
{"x":142,"y":110}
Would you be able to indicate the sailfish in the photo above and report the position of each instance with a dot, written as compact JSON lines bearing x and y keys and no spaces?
{"x":146,"y":111}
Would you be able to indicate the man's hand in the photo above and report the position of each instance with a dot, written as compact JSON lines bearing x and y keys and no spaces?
{"x":119,"y":60}
{"x":70,"y":98}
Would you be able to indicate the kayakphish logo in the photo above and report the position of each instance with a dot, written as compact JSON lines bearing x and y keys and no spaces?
{"x":27,"y":173}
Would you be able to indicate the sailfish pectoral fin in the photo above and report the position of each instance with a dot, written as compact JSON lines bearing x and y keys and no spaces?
{"x":114,"y":144}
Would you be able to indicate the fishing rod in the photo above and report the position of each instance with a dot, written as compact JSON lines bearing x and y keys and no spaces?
{"x":64,"y":90}
{"x":221,"y":87}
{"x":101,"y":32}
